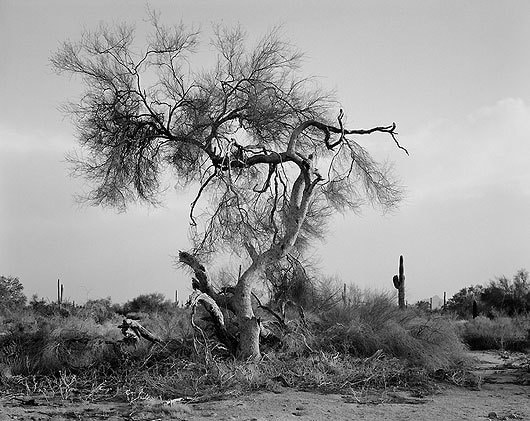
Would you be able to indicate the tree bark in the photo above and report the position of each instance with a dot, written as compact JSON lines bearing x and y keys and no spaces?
{"x":249,"y":333}
{"x":138,"y":330}
{"x":249,"y":326}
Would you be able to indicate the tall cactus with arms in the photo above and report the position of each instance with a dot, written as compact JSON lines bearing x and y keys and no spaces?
{"x":399,"y":283}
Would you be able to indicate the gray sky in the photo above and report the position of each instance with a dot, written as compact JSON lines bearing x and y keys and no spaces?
{"x":453,"y":75}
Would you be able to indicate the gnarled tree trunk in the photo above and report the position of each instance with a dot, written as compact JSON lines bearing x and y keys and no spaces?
{"x":249,"y":328}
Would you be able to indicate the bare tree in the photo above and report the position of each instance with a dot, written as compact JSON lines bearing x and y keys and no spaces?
{"x":250,"y":133}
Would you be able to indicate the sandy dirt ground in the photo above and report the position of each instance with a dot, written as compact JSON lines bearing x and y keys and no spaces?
{"x":503,"y":394}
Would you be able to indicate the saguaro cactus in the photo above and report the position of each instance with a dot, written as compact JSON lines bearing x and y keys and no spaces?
{"x":399,"y":283}
{"x":60,"y":290}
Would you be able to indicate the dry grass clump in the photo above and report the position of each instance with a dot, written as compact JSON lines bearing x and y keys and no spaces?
{"x":376,"y":323}
{"x":56,"y":343}
{"x":34,"y":344}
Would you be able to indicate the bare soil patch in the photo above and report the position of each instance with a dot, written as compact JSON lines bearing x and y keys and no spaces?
{"x":502,"y":393}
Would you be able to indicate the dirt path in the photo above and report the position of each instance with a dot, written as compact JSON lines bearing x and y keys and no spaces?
{"x":503,"y":395}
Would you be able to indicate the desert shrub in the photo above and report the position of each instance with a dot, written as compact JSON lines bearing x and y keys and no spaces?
{"x":376,"y":323}
{"x":12,"y":295}
{"x":56,"y":343}
{"x":363,"y":324}
{"x":511,"y":297}
{"x":46,"y":308}
{"x":174,"y":323}
{"x":33,"y":344}
{"x":100,"y":310}
{"x":461,"y":304}
{"x":147,"y":303}
{"x":41,"y":306}
{"x":499,"y":333}
{"x":423,"y":305}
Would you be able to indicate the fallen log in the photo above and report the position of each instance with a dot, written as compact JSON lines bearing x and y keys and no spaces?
{"x":217,"y":316}
{"x":133,"y":331}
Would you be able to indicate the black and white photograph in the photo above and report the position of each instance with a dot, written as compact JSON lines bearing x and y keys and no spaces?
{"x":275,"y":210}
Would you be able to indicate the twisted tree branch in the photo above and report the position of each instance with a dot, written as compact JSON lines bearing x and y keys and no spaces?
{"x":217,"y":315}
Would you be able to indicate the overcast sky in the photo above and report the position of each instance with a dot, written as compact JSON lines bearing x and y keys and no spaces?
{"x":453,"y":75}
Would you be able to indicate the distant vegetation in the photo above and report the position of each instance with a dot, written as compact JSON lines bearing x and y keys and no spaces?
{"x":501,"y":296}
{"x":503,"y":333}
{"x":502,"y":313}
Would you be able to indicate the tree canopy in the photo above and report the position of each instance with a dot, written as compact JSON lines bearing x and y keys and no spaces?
{"x":254,"y":133}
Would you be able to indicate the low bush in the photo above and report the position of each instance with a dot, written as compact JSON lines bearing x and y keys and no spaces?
{"x":169,"y":325}
{"x":376,"y":323}
{"x":503,"y":333}
{"x":53,"y":344}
